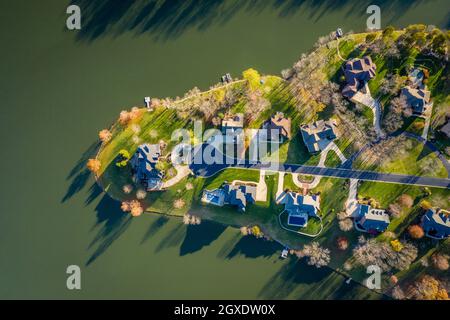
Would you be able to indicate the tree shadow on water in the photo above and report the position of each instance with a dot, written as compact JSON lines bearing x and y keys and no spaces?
{"x":79,"y":175}
{"x":199,"y":236}
{"x":154,"y":227}
{"x":169,"y":19}
{"x":111,"y":224}
{"x":292,"y":274}
{"x":251,"y":247}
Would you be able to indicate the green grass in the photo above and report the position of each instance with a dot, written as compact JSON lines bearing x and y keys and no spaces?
{"x":411,"y":161}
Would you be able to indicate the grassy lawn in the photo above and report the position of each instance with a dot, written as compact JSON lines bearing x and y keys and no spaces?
{"x":413,"y":159}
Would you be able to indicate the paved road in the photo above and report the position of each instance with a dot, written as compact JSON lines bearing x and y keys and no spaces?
{"x":200,"y":168}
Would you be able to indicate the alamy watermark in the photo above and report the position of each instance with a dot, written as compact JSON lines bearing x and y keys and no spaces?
{"x":374,"y":280}
{"x":374,"y":20}
{"x":73,"y":21}
{"x":73,"y":281}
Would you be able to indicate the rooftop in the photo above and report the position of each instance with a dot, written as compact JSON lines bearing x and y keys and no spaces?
{"x":279,"y":123}
{"x":417,"y":99}
{"x":357,"y":72}
{"x":318,"y":135}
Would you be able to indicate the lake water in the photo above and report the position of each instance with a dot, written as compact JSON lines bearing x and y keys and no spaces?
{"x":58,"y":88}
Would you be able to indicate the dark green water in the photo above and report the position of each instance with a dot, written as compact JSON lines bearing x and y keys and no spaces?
{"x":59,"y":88}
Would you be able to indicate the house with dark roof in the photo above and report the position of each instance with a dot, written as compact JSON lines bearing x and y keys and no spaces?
{"x":239,"y":195}
{"x":318,"y":135}
{"x":300,"y":208}
{"x":436,"y":223}
{"x":276,"y":129}
{"x":371,"y":220}
{"x":418,"y":99}
{"x":143,"y":166}
{"x":357,"y":73}
{"x":232,"y":127}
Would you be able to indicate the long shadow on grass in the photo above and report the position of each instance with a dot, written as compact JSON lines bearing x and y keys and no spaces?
{"x":111,"y":224}
{"x":200,"y":236}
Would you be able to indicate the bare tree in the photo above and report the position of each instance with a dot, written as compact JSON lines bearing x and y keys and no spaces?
{"x":317,"y":256}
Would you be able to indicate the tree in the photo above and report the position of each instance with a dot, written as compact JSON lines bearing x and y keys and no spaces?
{"x":416,"y":232}
{"x":346,"y":224}
{"x":388,"y":31}
{"x":425,"y":205}
{"x":127,"y":188}
{"x":136,"y":208}
{"x":342,"y":243}
{"x":317,"y":256}
{"x":93,"y":165}
{"x":373,"y":252}
{"x":179,"y":203}
{"x":256,"y":231}
{"x":440,"y":261}
{"x":370,"y":37}
{"x":395,"y":210}
{"x":124,"y":117}
{"x":253,"y":78}
{"x":141,"y":194}
{"x":406,"y":200}
{"x":397,"y":293}
{"x":105,"y":135}
{"x":427,"y":288}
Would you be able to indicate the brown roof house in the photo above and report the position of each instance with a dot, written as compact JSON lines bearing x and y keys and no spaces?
{"x":276,"y":129}
{"x":357,"y":73}
{"x":318,"y":135}
{"x":232,"y":127}
{"x":418,"y":99}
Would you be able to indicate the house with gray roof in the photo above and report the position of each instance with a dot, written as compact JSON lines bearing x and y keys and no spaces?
{"x":239,"y":195}
{"x":357,"y":73}
{"x":143,"y":166}
{"x":318,"y":135}
{"x":300,"y":208}
{"x":418,"y":99}
{"x":436,"y":223}
{"x":371,"y":220}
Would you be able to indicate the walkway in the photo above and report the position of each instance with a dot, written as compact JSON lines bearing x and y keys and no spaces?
{"x":182,"y":172}
{"x":367,"y":100}
{"x":352,"y":200}
{"x":323,"y":157}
